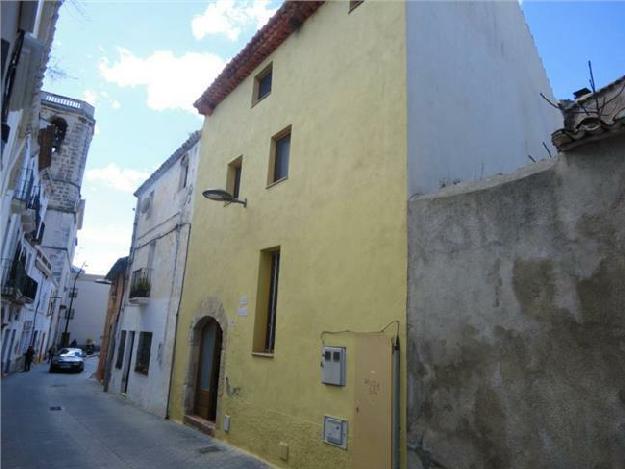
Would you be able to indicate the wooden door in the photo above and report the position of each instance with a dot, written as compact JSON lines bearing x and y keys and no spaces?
{"x":208,"y":371}
{"x":126,"y":374}
{"x":371,"y":440}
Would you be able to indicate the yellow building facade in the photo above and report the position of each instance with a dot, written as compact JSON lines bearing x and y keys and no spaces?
{"x":339,"y":220}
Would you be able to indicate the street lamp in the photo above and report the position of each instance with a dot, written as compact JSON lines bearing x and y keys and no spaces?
{"x":65,"y":336}
{"x":221,"y":195}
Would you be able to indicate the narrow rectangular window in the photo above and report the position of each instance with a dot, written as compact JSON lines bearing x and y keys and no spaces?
{"x":233,"y":183}
{"x":142,"y":363}
{"x":270,"y":338}
{"x":354,"y":3}
{"x":280,"y":156}
{"x":262,"y":84}
{"x":184,"y":172}
{"x":120,"y":351}
{"x":267,"y":301}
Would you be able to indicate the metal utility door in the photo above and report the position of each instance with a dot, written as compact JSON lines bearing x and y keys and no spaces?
{"x":128,"y":359}
{"x":372,"y":427}
{"x":208,"y":371}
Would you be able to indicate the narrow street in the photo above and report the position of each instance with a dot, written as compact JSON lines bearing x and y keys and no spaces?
{"x":93,"y":429}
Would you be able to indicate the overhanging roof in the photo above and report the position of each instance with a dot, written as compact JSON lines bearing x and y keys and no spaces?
{"x":289,"y":17}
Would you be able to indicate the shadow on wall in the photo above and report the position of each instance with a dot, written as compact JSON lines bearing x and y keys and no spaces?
{"x":516,"y":319}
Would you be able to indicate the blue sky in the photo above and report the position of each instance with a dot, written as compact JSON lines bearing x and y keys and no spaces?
{"x":142,"y":64}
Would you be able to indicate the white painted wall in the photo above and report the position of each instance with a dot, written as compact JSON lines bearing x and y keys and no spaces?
{"x":168,"y":226}
{"x":474,"y":77}
{"x":90,"y":310}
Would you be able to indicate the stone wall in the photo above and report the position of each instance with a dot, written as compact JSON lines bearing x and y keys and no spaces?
{"x":516,"y":318}
{"x":68,"y":164}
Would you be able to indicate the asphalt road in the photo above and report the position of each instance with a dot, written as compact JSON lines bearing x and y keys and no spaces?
{"x":95,"y":430}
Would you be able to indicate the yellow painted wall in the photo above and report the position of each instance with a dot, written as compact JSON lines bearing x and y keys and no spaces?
{"x":339,"y":218}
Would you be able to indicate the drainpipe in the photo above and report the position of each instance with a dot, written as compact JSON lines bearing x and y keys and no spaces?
{"x":38,"y":15}
{"x":173,"y":355}
{"x":395,"y":411}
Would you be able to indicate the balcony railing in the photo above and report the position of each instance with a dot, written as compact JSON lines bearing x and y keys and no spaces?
{"x":16,"y":284}
{"x":25,"y":187}
{"x":140,"y":284}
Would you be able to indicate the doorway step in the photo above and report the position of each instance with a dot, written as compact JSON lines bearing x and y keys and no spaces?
{"x":205,"y":426}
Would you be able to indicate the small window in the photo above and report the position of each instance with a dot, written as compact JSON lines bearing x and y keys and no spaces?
{"x":262,"y":84}
{"x":354,"y":3}
{"x":120,"y":351}
{"x":267,"y":300}
{"x":142,"y":363}
{"x":233,"y":183}
{"x":146,"y":204}
{"x":280,"y":154}
{"x":184,"y":172}
{"x":60,"y":129}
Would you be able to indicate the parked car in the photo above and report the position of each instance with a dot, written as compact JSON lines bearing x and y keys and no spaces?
{"x":68,"y":359}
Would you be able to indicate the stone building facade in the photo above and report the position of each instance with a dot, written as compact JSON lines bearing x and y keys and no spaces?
{"x":66,"y":207}
{"x":142,"y":362}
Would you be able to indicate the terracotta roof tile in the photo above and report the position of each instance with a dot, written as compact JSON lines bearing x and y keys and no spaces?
{"x":289,"y":17}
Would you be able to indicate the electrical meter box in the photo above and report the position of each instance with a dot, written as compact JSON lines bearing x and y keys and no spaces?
{"x":335,"y":431}
{"x":333,"y":365}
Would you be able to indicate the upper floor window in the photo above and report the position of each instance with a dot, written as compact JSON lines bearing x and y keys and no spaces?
{"x":184,"y":172}
{"x":264,"y":339}
{"x":280,"y":154}
{"x":354,"y":3}
{"x":142,"y":362}
{"x":262,"y":84}
{"x":146,"y":204}
{"x":233,"y":183}
{"x":60,"y":129}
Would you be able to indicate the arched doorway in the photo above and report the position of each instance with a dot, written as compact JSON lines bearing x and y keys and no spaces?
{"x":209,"y":363}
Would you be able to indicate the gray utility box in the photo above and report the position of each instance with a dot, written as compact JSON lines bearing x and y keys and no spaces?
{"x":335,"y":431}
{"x":333,"y":365}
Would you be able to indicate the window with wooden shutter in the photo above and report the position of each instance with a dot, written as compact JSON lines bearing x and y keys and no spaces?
{"x":142,"y":363}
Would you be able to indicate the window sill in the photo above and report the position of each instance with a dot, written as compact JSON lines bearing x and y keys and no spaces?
{"x":274,"y":183}
{"x":256,"y":101}
{"x":262,"y":354}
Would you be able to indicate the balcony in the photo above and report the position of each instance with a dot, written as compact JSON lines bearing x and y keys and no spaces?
{"x":140,"y":287}
{"x":17,"y":286}
{"x":23,"y":192}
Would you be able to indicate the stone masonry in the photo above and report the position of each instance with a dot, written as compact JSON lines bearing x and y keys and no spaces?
{"x":65,"y":208}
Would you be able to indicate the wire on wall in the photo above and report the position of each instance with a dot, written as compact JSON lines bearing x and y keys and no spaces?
{"x":349,"y":331}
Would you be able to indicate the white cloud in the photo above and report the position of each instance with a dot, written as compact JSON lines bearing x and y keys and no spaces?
{"x":90,"y":96}
{"x":100,"y":246}
{"x":229,"y":18}
{"x":172,"y":82}
{"x":116,"y":104}
{"x":121,"y":179}
{"x":96,"y":130}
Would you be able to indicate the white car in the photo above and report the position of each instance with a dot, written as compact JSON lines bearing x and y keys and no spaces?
{"x":68,"y":359}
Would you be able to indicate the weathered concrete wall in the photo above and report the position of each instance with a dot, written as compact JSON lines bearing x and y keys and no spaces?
{"x":516,"y":318}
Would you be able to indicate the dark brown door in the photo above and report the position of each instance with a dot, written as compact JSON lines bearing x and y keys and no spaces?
{"x":208,"y":372}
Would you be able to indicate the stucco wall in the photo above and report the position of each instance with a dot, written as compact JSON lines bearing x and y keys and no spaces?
{"x":90,"y":310}
{"x":515,"y":318}
{"x":167,"y":226}
{"x":474,"y":78}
